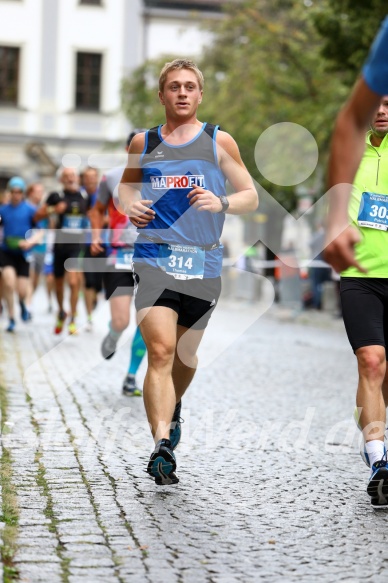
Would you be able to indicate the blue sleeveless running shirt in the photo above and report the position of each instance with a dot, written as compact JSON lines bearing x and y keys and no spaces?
{"x":169,"y":174}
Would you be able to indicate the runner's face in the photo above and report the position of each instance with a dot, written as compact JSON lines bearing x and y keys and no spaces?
{"x":181,"y":94}
{"x":70,"y":180}
{"x":90,"y":181}
{"x":380,"y":122}
{"x":37,"y":194}
{"x":16,"y":196}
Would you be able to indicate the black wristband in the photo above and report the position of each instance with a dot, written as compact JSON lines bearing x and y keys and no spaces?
{"x":225,"y":203}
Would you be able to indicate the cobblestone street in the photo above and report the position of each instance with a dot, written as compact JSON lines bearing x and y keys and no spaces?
{"x":272,"y":487}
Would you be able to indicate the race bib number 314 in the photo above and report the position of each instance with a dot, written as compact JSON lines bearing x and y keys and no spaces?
{"x":373,"y":211}
{"x":182,"y":261}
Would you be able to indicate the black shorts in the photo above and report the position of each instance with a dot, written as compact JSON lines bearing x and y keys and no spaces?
{"x":118,"y":282}
{"x":365,"y":310}
{"x":62,"y":252}
{"x":193,"y":300}
{"x":17,"y":261}
{"x":93,"y":279}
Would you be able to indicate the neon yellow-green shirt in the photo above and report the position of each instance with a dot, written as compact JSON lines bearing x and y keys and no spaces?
{"x":372,"y":176}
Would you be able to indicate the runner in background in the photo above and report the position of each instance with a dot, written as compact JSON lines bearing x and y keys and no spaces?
{"x":18,"y":217}
{"x":92,"y":280}
{"x":118,"y":278}
{"x":70,"y":206}
{"x":42,"y":257}
{"x":3,"y":200}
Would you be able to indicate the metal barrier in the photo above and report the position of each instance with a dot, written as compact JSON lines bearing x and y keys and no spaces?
{"x":291,"y":283}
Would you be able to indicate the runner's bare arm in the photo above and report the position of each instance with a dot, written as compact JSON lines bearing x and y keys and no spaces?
{"x":129,"y":188}
{"x":35,"y":239}
{"x":347,"y":148}
{"x":46,"y":210}
{"x":245,"y":198}
{"x":348,"y":145}
{"x":96,"y":217}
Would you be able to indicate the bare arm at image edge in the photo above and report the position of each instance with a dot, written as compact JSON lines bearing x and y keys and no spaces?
{"x":347,"y":148}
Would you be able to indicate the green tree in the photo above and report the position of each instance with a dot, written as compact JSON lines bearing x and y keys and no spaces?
{"x":265,"y":67}
{"x":348,"y":28}
{"x":139,"y":94}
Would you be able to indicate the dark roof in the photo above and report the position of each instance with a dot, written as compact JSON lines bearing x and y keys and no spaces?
{"x":202,"y":5}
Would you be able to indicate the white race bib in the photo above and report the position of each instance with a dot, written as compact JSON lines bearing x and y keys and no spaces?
{"x":182,"y":261}
{"x":373,"y":211}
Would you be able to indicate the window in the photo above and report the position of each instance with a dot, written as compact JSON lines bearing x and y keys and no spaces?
{"x":88,"y":82}
{"x":90,"y":2}
{"x":4,"y":179}
{"x":9,"y":75}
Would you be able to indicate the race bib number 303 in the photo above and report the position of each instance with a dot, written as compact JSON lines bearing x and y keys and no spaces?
{"x":373,"y":211}
{"x":182,"y":261}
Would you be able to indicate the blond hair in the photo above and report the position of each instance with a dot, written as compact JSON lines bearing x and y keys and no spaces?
{"x":178,"y":64}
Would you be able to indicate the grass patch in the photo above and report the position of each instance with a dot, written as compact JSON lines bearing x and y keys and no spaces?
{"x":49,"y":513}
{"x":42,"y":483}
{"x":9,"y":508}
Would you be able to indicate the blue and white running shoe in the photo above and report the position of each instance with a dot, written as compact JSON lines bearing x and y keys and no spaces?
{"x":162,"y":464}
{"x":176,"y":422}
{"x":378,"y":484}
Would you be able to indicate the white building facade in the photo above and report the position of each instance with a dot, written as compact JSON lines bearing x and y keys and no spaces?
{"x":61,"y":66}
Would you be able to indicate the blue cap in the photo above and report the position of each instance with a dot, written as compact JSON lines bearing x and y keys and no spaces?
{"x":16,"y":182}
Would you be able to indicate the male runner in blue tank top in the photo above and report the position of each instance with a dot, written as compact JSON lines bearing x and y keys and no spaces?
{"x":173,"y":189}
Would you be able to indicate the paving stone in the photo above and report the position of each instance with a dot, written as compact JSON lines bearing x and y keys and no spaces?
{"x":78,"y":528}
{"x":34,"y":521}
{"x":84,"y":539}
{"x":36,"y":573}
{"x":91,"y":562}
{"x":86,"y":576}
{"x":33,"y":556}
{"x":87,"y":550}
